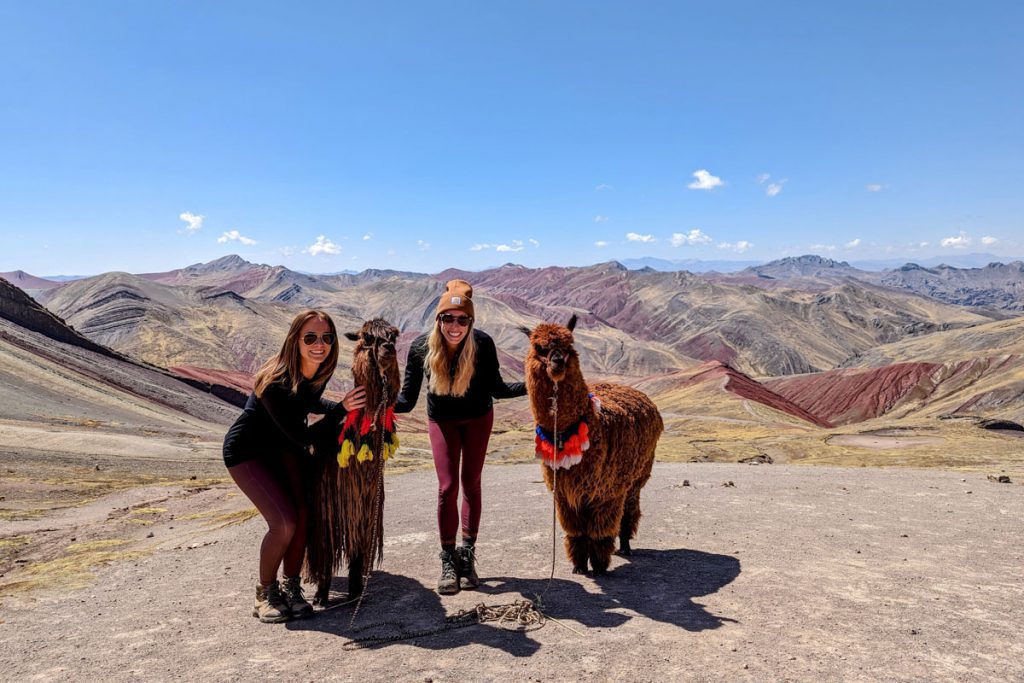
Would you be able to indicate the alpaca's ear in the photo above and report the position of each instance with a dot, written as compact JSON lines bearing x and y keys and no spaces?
{"x":353,"y":336}
{"x":525,"y":330}
{"x":572,"y":323}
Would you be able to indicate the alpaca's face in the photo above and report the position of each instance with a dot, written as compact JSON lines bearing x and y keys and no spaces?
{"x":376,"y":347}
{"x":551,"y":351}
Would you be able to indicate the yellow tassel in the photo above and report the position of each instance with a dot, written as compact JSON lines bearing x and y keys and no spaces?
{"x":364,"y":453}
{"x":345,"y":454}
{"x":394,"y":443}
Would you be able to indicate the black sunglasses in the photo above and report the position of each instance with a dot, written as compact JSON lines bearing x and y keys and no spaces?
{"x":462,"y":320}
{"x":311,"y":338}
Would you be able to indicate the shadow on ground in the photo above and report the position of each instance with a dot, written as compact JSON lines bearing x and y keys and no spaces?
{"x":657,"y":584}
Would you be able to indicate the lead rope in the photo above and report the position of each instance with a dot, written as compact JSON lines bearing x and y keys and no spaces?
{"x":520,"y":615}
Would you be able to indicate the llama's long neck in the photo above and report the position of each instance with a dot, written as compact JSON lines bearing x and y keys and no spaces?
{"x":573,"y":398}
{"x":367,"y":375}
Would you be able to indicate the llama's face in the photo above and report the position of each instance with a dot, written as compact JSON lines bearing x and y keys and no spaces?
{"x":551,"y":351}
{"x":376,"y":346}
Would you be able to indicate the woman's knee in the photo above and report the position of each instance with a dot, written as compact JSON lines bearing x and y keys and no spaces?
{"x":283,"y":527}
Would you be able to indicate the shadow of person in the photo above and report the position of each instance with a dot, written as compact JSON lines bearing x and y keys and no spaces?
{"x":396,"y":607}
{"x":657,"y":584}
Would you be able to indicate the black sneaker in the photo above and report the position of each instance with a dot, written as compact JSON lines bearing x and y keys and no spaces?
{"x":468,"y":579}
{"x":292,"y":590}
{"x":448,"y":584}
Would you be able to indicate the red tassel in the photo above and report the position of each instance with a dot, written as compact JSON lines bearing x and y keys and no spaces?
{"x":367,"y":423}
{"x":350,"y":419}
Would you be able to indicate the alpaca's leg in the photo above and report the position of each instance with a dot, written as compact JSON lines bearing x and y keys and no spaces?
{"x":323,"y":593}
{"x":600,"y":551}
{"x":575,"y":538}
{"x":603,"y":522}
{"x":355,"y":576}
{"x":630,"y":521}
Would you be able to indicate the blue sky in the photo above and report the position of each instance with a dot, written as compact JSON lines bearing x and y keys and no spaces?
{"x":146,"y":136}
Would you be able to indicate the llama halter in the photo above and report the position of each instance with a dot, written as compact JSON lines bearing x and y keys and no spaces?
{"x":566,"y":448}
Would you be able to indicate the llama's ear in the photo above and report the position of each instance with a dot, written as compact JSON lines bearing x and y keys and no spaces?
{"x":572,"y":323}
{"x":353,"y":336}
{"x":525,"y":330}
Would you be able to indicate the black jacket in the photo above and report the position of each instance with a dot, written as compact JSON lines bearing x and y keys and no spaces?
{"x":275,"y":423}
{"x":486,"y":384}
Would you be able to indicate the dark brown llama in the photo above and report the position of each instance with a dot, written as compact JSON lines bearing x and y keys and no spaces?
{"x":347,"y":511}
{"x":606,"y":438}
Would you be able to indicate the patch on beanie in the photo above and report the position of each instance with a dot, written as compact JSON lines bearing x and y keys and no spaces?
{"x":456,"y":300}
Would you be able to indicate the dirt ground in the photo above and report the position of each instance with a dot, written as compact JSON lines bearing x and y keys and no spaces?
{"x":745,"y":573}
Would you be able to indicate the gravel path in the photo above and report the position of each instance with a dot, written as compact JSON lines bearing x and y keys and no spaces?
{"x":789,"y":573}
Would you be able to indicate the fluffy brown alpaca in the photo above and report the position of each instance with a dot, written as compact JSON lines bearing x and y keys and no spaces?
{"x":599,"y":497}
{"x":351,"y":486}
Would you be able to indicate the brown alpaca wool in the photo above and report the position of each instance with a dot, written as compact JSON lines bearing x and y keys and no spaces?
{"x":344,"y":499}
{"x":599,"y":498}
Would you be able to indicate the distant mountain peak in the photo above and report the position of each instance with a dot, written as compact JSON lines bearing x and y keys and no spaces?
{"x":808,"y":260}
{"x":229,"y":262}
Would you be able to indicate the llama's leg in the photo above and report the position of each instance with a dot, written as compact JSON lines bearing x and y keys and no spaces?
{"x":603,"y":522}
{"x":323,"y":593}
{"x":630,"y":521}
{"x":575,"y":538}
{"x":355,"y":576}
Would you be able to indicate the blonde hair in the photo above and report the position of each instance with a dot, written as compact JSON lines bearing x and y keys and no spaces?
{"x":287,"y":364}
{"x":440,"y":363}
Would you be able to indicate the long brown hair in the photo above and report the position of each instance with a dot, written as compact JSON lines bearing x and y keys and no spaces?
{"x":440,"y":362}
{"x":286,"y":366}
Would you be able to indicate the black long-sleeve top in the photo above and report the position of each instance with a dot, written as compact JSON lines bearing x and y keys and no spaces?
{"x":486,"y":384}
{"x":275,"y":423}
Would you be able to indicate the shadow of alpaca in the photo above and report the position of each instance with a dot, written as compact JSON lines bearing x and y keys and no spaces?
{"x":657,"y":584}
{"x":400,"y":606}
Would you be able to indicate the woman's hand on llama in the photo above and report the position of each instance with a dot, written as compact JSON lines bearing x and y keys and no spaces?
{"x":355,"y":399}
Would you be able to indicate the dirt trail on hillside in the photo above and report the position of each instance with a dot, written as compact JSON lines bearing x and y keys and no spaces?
{"x":786,"y":573}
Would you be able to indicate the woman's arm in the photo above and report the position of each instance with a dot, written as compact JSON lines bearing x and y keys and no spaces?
{"x":288,"y":413}
{"x":410,"y":392}
{"x":499,"y":387}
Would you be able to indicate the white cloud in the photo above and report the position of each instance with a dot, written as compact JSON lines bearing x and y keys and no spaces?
{"x":988,"y":240}
{"x":852,"y":244}
{"x":600,"y":244}
{"x":874,"y":187}
{"x":763,"y":178}
{"x":534,"y":242}
{"x":637,"y":237}
{"x":517,"y":245}
{"x":193,"y":221}
{"x":740,"y":247}
{"x":479,"y":247}
{"x":600,"y":219}
{"x":924,"y":244}
{"x":693,"y":237}
{"x":823,"y":247}
{"x":391,"y":252}
{"x":603,"y":187}
{"x":422,"y":245}
{"x":368,"y":236}
{"x":235,"y":236}
{"x":775,"y":188}
{"x":705,"y":181}
{"x":961,"y":241}
{"x":286,"y":251}
{"x":322,"y":246}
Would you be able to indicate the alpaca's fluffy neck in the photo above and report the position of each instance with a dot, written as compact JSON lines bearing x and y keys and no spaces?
{"x":573,"y":400}
{"x":366,"y":374}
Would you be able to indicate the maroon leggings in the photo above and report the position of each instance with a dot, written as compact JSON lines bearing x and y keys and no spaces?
{"x":276,"y":491}
{"x":452,"y":441}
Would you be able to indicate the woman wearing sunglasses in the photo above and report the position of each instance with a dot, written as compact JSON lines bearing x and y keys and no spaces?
{"x":463,"y":376}
{"x":265,"y":450}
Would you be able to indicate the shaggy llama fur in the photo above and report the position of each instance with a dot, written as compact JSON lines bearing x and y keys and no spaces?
{"x":344,"y":499}
{"x":599,"y":498}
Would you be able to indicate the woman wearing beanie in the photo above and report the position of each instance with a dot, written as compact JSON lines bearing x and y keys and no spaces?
{"x":463,"y":376}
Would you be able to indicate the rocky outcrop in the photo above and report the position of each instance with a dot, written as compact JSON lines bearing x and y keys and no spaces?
{"x":22,"y":310}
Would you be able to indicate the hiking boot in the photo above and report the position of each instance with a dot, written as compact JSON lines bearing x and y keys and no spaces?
{"x":292,"y":591}
{"x":271,"y":607}
{"x":448,"y":584}
{"x":468,"y":579}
